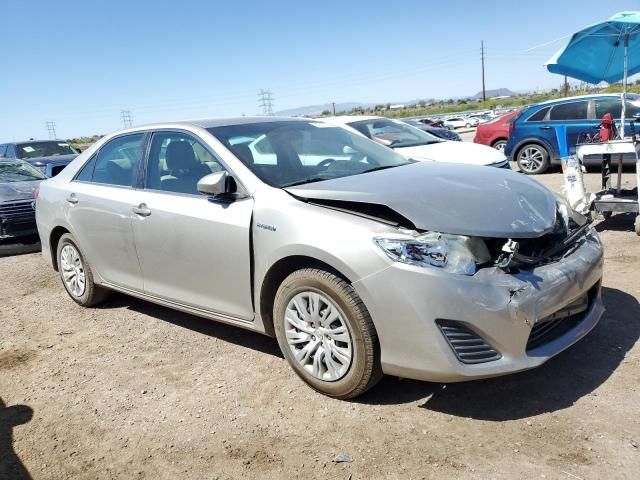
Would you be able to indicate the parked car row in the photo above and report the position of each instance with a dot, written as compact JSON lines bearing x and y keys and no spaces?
{"x":337,"y":237}
{"x":440,"y":132}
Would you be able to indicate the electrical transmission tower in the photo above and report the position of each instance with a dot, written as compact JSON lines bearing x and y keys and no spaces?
{"x":127,"y":119}
{"x":51,"y":127}
{"x":265,"y":101}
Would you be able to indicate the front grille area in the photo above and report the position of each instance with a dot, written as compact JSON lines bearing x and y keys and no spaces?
{"x":468,"y":346}
{"x":560,"y":322}
{"x":17,"y":219}
{"x":16,"y":209}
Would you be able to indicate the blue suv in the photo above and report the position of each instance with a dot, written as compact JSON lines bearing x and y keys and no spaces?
{"x":533,"y":141}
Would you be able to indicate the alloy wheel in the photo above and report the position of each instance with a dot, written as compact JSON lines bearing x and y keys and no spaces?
{"x":499,"y":145}
{"x":531,"y":159}
{"x":318,"y":336}
{"x":72,"y":270}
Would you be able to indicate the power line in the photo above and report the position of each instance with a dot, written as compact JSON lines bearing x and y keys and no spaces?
{"x":51,"y":127}
{"x":265,"y":101}
{"x":127,"y":119}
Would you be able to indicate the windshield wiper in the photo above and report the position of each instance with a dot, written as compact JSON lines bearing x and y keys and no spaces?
{"x":383,"y":167}
{"x":302,"y":182}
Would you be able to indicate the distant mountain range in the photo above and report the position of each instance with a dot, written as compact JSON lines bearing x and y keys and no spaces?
{"x":313,"y":110}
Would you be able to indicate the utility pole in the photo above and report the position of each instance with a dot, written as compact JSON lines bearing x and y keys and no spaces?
{"x":484,"y":92}
{"x":51,"y":127}
{"x":566,"y":87}
{"x":265,"y":101}
{"x":334,"y":108}
{"x":127,"y":119}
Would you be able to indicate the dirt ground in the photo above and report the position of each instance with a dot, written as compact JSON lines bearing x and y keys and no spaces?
{"x":136,"y":391}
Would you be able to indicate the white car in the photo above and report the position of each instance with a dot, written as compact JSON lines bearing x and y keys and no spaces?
{"x":463,"y":122}
{"x":481,"y":117}
{"x":416,"y":144}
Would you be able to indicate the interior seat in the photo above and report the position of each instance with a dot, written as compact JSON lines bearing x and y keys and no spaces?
{"x":184,"y":167}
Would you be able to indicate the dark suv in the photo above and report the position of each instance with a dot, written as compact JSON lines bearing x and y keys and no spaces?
{"x":49,"y":156}
{"x":533,"y":139}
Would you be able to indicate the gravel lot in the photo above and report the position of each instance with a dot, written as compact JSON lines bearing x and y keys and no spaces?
{"x":133,"y":390}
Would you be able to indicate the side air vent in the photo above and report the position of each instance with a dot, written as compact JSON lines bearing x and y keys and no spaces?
{"x":467,"y":345}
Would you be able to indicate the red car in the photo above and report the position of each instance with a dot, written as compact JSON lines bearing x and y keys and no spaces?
{"x":496,"y":132}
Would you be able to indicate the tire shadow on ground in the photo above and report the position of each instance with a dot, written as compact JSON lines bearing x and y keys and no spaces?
{"x":556,"y":385}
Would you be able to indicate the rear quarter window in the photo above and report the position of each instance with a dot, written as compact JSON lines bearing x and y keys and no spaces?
{"x":539,"y":116}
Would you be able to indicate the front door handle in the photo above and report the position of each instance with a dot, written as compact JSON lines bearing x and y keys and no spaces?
{"x":142,"y":210}
{"x":72,"y":199}
{"x":546,"y":127}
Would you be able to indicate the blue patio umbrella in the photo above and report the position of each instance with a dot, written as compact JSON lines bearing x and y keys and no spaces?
{"x":608,"y":51}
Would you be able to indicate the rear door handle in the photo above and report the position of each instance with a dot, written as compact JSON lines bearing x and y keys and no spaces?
{"x":142,"y":210}
{"x":546,"y":127}
{"x":72,"y":198}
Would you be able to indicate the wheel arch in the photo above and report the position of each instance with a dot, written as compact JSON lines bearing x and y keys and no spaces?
{"x":275,"y":275}
{"x":54,"y":239}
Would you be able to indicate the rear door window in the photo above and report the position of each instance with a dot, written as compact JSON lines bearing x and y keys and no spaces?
{"x":570,"y":111}
{"x":116,"y":161}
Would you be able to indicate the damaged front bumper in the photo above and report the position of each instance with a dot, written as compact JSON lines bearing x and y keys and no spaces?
{"x":428,"y":321}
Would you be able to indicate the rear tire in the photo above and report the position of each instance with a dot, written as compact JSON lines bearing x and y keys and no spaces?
{"x":499,"y":145}
{"x":533,"y":159}
{"x":326,"y":333}
{"x":76,"y":274}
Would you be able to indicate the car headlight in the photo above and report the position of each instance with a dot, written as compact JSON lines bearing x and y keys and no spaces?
{"x":452,"y":253}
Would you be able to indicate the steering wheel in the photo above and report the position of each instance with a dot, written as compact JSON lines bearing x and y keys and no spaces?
{"x":326,"y":162}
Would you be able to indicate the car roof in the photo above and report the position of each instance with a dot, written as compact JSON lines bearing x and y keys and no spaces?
{"x":578,"y":97}
{"x":223,"y":122}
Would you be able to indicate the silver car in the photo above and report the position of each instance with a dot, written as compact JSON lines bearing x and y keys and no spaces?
{"x":358,"y":261}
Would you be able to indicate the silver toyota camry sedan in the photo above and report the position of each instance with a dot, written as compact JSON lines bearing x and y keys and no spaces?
{"x":359,"y":261}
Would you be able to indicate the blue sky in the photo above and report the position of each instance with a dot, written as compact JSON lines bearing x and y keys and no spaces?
{"x":79,"y":63}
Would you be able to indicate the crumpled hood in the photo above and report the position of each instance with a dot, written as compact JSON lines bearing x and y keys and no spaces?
{"x":448,"y":198}
{"x":454,"y":152}
{"x":39,"y":161}
{"x":18,"y":190}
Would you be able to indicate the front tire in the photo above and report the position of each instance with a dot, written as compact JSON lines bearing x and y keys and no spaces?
{"x":76,"y":274}
{"x":533,"y":159}
{"x":326,"y":333}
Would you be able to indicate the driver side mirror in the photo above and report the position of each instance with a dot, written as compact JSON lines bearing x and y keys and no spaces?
{"x":636,"y":117}
{"x":219,"y":184}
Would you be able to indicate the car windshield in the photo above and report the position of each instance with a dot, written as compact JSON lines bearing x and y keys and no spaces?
{"x":43,"y":149}
{"x":393,"y":133}
{"x":19,"y":172}
{"x":286,"y":153}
